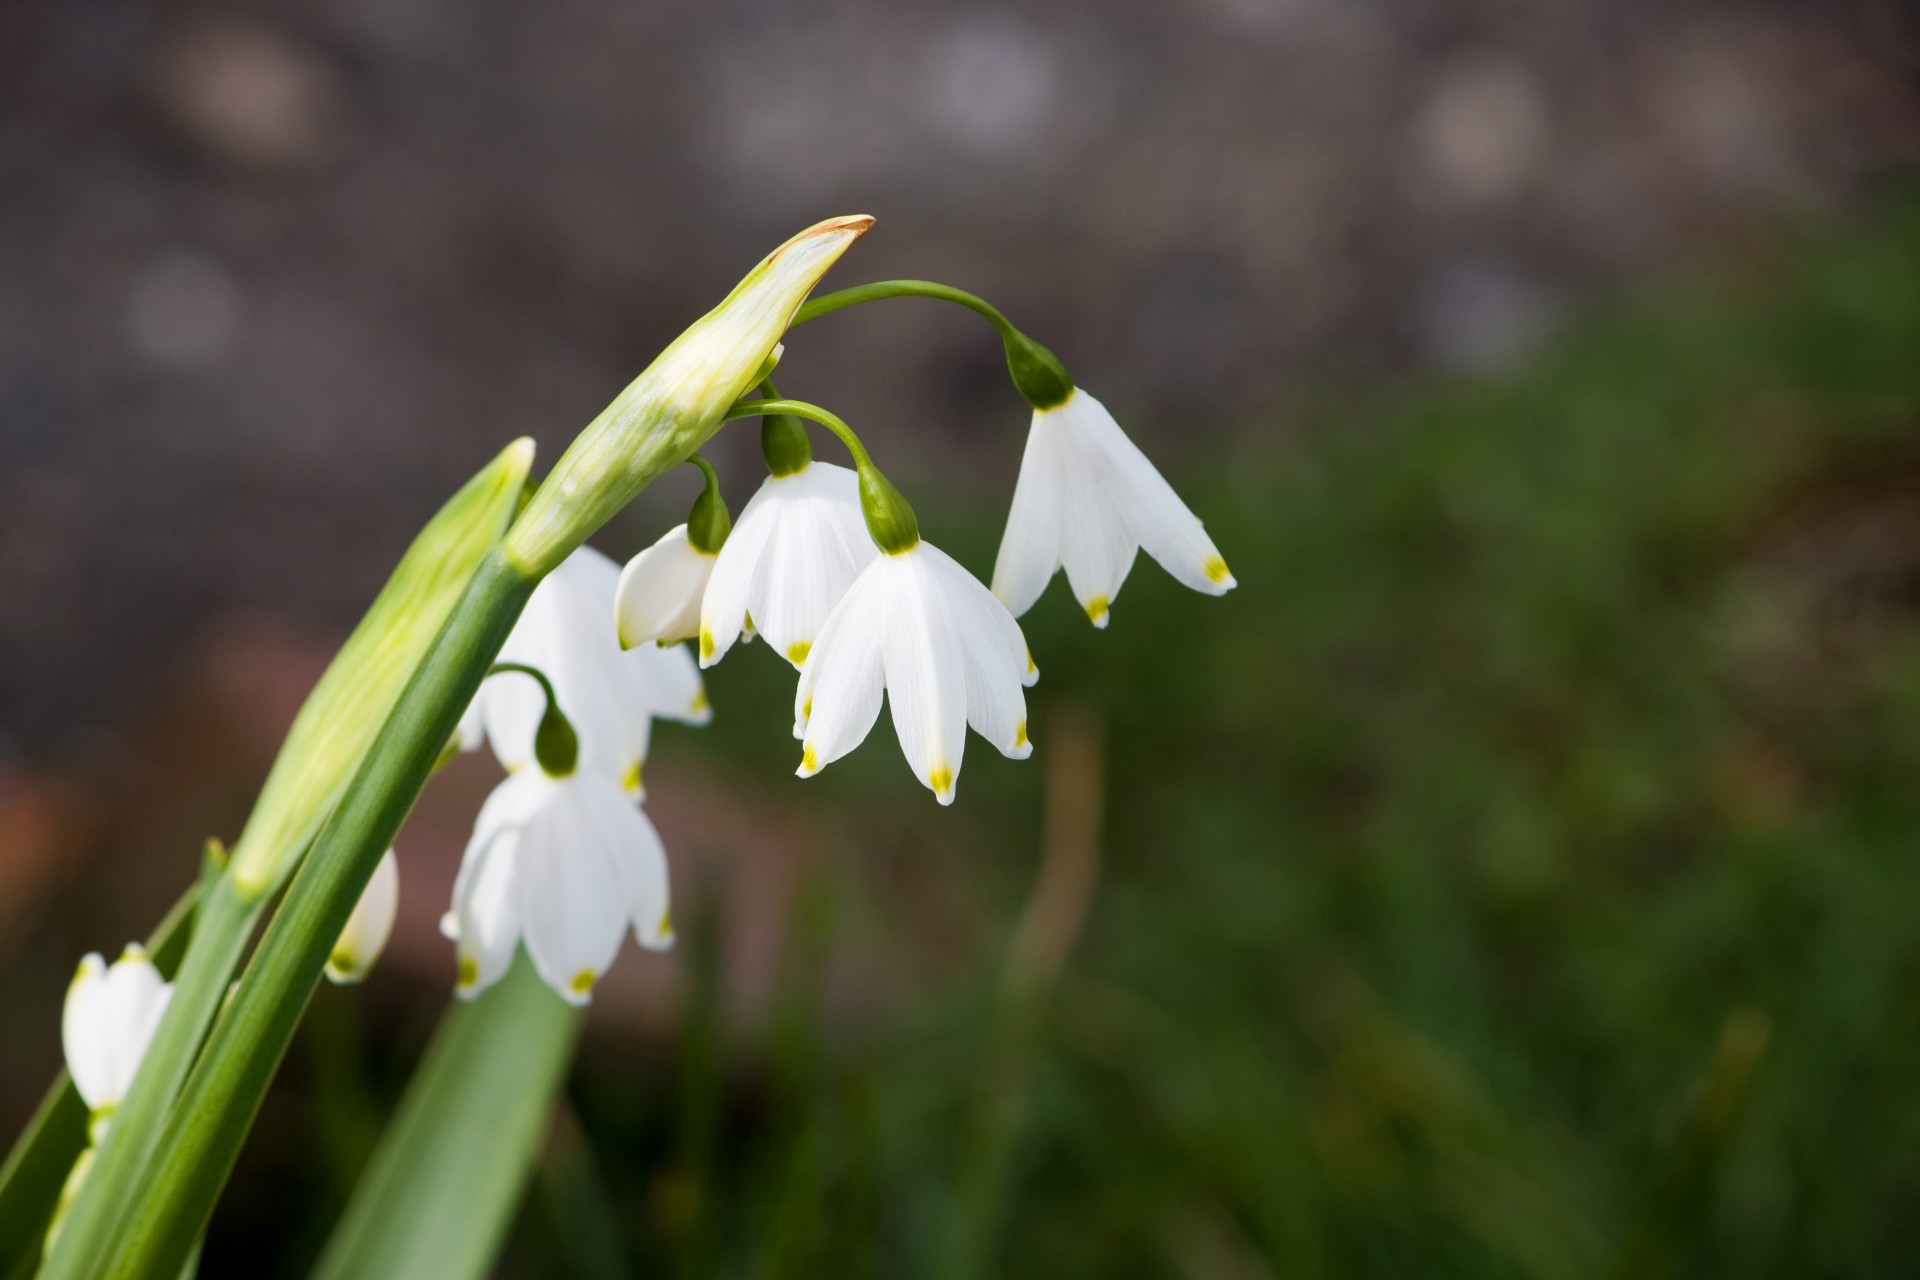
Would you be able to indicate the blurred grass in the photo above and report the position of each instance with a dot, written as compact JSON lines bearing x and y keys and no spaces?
{"x":1518,"y":876}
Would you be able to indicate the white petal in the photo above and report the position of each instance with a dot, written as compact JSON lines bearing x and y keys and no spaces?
{"x":1160,"y":522}
{"x":670,"y":684}
{"x":723,"y":609}
{"x":996,"y":661}
{"x":818,"y":548}
{"x":640,"y":861}
{"x":926,"y":674}
{"x":367,"y":929}
{"x":658,"y":598}
{"x":574,"y":903}
{"x":1096,"y":545}
{"x":471,"y":731}
{"x":110,"y":1018}
{"x":488,"y":913}
{"x":838,"y":698}
{"x":485,"y":918}
{"x":1030,"y":546}
{"x":83,"y":1033}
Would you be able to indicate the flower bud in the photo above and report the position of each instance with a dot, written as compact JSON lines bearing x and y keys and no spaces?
{"x":368,"y":928}
{"x":110,"y":1016}
{"x":677,"y":402}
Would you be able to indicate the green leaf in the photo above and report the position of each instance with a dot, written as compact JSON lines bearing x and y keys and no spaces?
{"x":44,"y":1153}
{"x":441,"y":1190}
{"x":162,"y":1215}
{"x":342,"y":717}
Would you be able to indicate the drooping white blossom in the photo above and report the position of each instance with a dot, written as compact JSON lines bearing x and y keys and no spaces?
{"x":109,"y":1019}
{"x":796,"y":548}
{"x":367,"y":929}
{"x":565,"y":864}
{"x":611,"y":695}
{"x":944,"y":650}
{"x":658,"y":597}
{"x":1087,"y":500}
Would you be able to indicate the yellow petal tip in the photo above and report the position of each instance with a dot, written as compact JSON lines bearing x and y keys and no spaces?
{"x":582,"y":983}
{"x":797,"y":652}
{"x":469,"y":973}
{"x":1217,"y":572}
{"x":1096,"y":612}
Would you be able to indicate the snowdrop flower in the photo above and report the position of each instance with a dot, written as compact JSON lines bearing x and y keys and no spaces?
{"x":658,"y":597}
{"x":110,"y":1016}
{"x":561,"y":860}
{"x":368,"y":928}
{"x":567,"y":631}
{"x":1088,"y":500}
{"x":799,"y":544}
{"x":922,"y":629}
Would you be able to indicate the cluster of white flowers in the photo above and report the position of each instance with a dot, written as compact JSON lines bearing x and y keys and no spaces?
{"x":827,"y":564}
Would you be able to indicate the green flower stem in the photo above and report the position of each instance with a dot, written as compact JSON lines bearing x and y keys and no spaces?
{"x":556,"y":747}
{"x":224,"y":923}
{"x":889,"y":516}
{"x":209,"y":1122}
{"x":440,"y":1191}
{"x":830,"y":302}
{"x":1036,"y":371}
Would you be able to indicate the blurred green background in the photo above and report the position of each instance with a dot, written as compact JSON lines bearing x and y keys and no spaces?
{"x":1517,"y":876}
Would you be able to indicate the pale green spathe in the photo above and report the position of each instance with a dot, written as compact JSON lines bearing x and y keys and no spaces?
{"x":677,"y":402}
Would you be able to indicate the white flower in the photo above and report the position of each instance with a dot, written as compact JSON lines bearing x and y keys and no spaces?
{"x":944,"y":649}
{"x":110,"y":1016}
{"x":566,"y":865}
{"x":610,"y":695}
{"x":795,"y":550}
{"x":659,"y":594}
{"x":368,"y":928}
{"x":1087,"y":500}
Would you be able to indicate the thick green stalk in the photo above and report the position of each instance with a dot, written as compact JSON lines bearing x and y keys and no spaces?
{"x":211,"y":1118}
{"x":224,"y":923}
{"x":440,"y":1192}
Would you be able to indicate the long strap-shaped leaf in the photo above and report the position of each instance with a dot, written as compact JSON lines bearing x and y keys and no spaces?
{"x":195,"y":1153}
{"x":329,"y":738}
{"x":42,"y":1156}
{"x":441,"y":1190}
